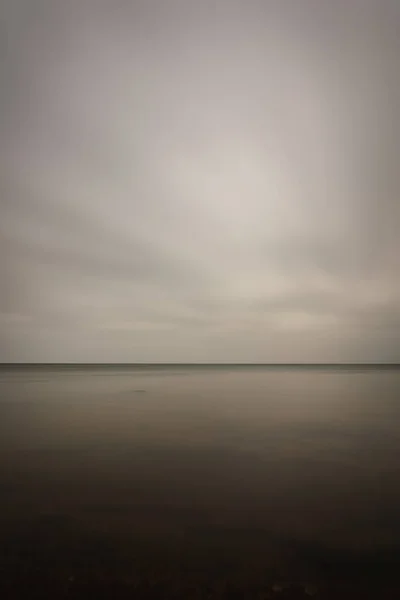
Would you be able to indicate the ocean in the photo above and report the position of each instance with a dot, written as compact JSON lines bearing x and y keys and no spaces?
{"x":252,"y":475}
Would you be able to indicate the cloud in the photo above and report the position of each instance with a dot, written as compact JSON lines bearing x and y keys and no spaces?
{"x":200,"y":181}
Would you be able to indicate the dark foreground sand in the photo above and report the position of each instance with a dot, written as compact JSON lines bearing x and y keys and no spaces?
{"x":55,"y":556}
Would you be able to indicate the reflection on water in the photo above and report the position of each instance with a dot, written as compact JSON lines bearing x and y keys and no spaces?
{"x":306,"y":458}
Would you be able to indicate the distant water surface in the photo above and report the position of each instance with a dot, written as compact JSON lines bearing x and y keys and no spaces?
{"x":306,"y":457}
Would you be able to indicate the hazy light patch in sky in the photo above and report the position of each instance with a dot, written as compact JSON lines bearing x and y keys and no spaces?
{"x":200,"y":181}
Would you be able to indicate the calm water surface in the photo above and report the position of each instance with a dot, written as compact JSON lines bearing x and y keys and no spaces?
{"x":289,"y":458}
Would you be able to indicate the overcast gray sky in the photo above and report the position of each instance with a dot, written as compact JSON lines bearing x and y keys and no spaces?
{"x":200,"y":180}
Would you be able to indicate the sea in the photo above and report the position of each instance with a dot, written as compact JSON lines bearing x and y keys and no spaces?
{"x":285,"y":477}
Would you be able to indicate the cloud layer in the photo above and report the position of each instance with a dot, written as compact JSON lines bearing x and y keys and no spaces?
{"x":200,"y":181}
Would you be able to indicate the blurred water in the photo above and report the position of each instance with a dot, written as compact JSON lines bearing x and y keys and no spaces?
{"x":306,"y":454}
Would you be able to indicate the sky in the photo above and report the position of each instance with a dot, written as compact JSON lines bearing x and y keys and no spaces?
{"x":200,"y":181}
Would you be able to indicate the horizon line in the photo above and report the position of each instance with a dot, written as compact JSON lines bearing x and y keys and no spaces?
{"x":159,"y":363}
